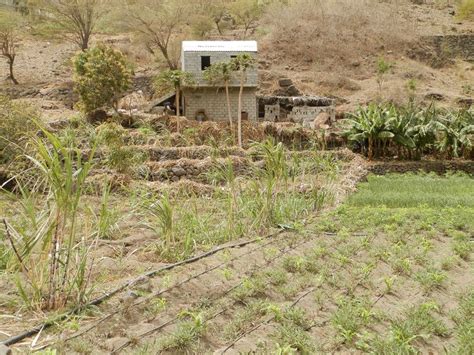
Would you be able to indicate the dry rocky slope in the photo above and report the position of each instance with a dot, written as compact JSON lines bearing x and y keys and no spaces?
{"x":437,"y":57}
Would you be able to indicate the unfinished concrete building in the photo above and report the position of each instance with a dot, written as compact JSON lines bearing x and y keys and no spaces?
{"x":204,"y":101}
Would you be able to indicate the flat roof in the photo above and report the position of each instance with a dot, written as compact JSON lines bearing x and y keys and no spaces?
{"x":219,"y":46}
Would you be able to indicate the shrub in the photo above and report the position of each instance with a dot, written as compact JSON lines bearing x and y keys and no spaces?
{"x":16,"y":127}
{"x":119,"y":156}
{"x":466,"y":10}
{"x":101,"y":76}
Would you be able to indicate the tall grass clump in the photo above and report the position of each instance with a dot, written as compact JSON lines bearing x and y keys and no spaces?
{"x":50,"y":244}
{"x":16,"y":129}
{"x":272,"y":181}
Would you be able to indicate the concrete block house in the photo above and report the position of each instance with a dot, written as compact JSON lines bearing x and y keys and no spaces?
{"x":204,"y":101}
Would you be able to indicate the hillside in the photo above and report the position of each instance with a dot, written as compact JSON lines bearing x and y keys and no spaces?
{"x":328,"y":50}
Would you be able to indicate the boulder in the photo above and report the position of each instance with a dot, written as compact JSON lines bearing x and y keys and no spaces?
{"x":178,"y":171}
{"x":5,"y":350}
{"x":321,"y":121}
{"x":285,"y":82}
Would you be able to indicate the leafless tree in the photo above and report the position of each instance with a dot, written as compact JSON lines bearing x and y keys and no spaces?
{"x":77,"y":18}
{"x":159,"y":22}
{"x":8,"y":44}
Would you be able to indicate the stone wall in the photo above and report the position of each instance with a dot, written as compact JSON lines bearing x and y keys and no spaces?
{"x":305,"y":115}
{"x":213,"y":103}
{"x":461,"y":46}
{"x":191,"y":63}
{"x":437,"y":166}
{"x":196,"y":170}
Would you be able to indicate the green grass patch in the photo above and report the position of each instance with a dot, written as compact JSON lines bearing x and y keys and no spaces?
{"x":414,"y":190}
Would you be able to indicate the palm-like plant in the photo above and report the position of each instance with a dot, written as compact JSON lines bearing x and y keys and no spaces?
{"x":174,"y":79}
{"x":368,"y":127}
{"x":221,"y":74}
{"x":241,"y":64}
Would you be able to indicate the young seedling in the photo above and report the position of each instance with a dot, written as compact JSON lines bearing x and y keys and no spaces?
{"x":389,"y":282}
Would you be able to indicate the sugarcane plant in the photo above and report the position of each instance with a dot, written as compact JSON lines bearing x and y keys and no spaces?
{"x":50,"y":244}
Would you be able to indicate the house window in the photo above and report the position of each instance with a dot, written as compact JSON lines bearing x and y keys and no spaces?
{"x":205,"y":62}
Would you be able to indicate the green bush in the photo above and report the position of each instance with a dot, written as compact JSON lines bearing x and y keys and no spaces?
{"x":16,"y":127}
{"x":119,"y":156}
{"x":101,"y":76}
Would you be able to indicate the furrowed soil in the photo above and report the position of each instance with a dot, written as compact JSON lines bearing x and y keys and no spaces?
{"x":388,"y":270}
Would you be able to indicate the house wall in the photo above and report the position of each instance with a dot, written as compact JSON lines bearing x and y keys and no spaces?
{"x":214,"y":103}
{"x":191,"y":63}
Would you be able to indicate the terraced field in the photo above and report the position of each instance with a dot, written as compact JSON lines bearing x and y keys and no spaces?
{"x":213,"y":249}
{"x":389,"y":271}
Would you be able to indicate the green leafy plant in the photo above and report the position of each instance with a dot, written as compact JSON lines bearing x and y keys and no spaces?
{"x":174,"y":79}
{"x":383,"y":67}
{"x":51,"y":254}
{"x":187,"y":332}
{"x":368,"y":127}
{"x":101,"y":76}
{"x":350,"y":316}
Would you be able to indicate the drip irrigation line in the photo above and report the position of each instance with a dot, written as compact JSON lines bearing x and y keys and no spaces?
{"x":268,"y":320}
{"x":28,"y":333}
{"x":294,"y":303}
{"x":230,"y":289}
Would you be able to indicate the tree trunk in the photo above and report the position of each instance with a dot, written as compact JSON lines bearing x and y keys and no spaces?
{"x":370,"y":152}
{"x":229,"y":112}
{"x":177,"y":109}
{"x":239,"y":120}
{"x":170,"y":63}
{"x":84,"y":42}
{"x":11,"y":60}
{"x":218,"y":26}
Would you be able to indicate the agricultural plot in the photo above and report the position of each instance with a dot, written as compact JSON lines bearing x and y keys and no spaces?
{"x":116,"y":217}
{"x":388,"y":271}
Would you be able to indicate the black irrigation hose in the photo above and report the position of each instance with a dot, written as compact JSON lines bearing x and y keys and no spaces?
{"x":253,"y":271}
{"x":26,"y":334}
{"x":294,"y":303}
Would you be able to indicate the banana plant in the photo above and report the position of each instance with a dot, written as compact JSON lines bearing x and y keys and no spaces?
{"x":456,"y":134}
{"x":368,"y":127}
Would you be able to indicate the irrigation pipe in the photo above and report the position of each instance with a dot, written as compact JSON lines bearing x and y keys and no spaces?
{"x":268,"y":320}
{"x":250,"y":272}
{"x":28,"y":333}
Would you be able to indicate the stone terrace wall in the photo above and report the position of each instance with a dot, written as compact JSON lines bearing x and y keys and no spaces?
{"x":461,"y":46}
{"x":438,"y":167}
